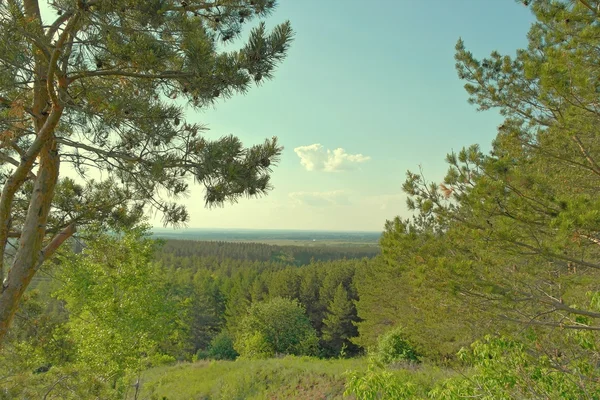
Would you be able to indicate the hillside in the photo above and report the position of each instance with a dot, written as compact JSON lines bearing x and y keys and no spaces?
{"x":273,"y":379}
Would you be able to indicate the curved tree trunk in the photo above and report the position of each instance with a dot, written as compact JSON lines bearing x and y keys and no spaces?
{"x":46,"y":112}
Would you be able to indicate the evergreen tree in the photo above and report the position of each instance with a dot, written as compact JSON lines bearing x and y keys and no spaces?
{"x":95,"y":89}
{"x":338,"y":325}
{"x":236,"y":307}
{"x":284,"y":283}
{"x":309,"y":295}
{"x":206,"y":312}
{"x":341,"y":271}
{"x":413,"y":285}
{"x":258,"y":290}
{"x":521,"y":222}
{"x":526,"y":215}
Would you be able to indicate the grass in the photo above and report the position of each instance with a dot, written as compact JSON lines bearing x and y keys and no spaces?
{"x":283,"y":378}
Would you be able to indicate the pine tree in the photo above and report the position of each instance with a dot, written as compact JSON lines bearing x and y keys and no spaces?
{"x":526,"y":214}
{"x":100,"y":88}
{"x":238,"y":301}
{"x":521,"y":222}
{"x":338,"y":324}
{"x":284,"y":283}
{"x":308,"y":294}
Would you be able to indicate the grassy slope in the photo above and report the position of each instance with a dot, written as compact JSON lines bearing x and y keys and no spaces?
{"x":285,"y":378}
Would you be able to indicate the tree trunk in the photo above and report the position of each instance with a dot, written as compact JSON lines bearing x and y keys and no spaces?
{"x":29,"y":254}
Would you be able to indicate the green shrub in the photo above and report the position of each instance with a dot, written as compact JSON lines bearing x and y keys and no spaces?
{"x":221,"y":347}
{"x":278,"y":326}
{"x":254,"y":346}
{"x":377,"y":383}
{"x":392,"y":347}
{"x":201,"y":354}
{"x":504,"y":368}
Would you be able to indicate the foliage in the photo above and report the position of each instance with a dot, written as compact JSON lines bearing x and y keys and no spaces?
{"x":278,"y":326}
{"x":393,"y":347}
{"x":68,"y":382}
{"x":195,"y":291}
{"x":201,"y":312}
{"x":101,"y":86}
{"x":218,"y":292}
{"x":494,"y":368}
{"x":338,"y":324}
{"x":119,"y":308}
{"x":116,"y":311}
{"x":221,"y":347}
{"x":377,"y":383}
{"x":510,"y":236}
{"x":506,"y":369}
{"x":298,"y":255}
{"x":525,"y":217}
{"x":411,"y":285}
{"x":254,"y":345}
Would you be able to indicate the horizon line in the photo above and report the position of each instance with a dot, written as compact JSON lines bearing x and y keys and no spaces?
{"x":267,"y":229}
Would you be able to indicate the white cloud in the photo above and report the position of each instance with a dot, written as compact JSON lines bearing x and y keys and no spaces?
{"x":320,"y":199}
{"x":315,"y":157}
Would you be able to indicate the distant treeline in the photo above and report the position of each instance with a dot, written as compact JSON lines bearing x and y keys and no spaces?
{"x":291,"y":255}
{"x":266,"y":235}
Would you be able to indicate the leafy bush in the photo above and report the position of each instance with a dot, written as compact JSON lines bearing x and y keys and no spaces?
{"x":254,"y":346}
{"x":201,"y":354}
{"x":392,"y":347}
{"x":503,"y":368}
{"x":221,"y":347}
{"x":377,"y":383}
{"x":278,"y":326}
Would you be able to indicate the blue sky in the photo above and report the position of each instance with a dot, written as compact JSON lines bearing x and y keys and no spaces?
{"x":376,"y":81}
{"x":366,"y":93}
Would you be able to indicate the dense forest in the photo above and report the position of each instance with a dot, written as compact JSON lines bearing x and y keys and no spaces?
{"x":296,"y":255}
{"x":159,"y":303}
{"x":488,"y":289}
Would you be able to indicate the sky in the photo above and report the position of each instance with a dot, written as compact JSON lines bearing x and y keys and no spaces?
{"x":366,"y":93}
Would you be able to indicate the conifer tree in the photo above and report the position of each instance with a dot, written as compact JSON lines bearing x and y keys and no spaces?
{"x":522,"y":221}
{"x":526,"y":214}
{"x":308,"y":294}
{"x":338,"y":324}
{"x":101,"y":87}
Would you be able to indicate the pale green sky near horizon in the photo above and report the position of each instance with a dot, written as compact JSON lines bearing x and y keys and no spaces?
{"x":367,"y":92}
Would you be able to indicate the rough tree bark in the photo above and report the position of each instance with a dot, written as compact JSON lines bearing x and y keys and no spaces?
{"x":46,"y":110}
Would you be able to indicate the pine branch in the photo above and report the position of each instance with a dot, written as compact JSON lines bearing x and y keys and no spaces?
{"x":55,"y":243}
{"x":53,"y":63}
{"x":10,"y":160}
{"x":164,"y":75}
